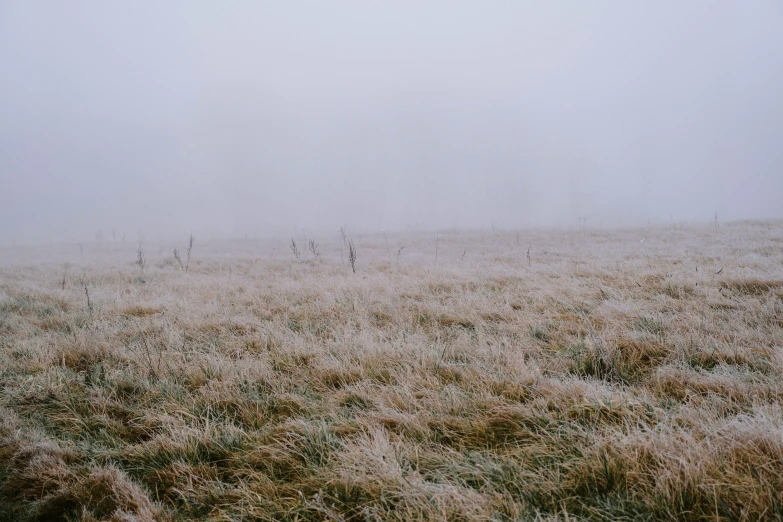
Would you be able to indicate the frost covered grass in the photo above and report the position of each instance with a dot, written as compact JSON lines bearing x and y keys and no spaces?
{"x":535,"y":374}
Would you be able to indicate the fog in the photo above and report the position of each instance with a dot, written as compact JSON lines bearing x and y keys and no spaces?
{"x":232,"y":118}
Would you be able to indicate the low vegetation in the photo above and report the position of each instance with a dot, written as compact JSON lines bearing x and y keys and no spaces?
{"x":554,"y":375}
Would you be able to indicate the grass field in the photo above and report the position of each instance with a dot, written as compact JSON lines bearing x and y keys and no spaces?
{"x":623,"y":374}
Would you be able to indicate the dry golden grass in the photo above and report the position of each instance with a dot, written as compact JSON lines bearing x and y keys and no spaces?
{"x":617,"y":375}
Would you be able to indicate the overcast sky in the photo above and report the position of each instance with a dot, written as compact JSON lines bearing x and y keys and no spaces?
{"x":260,"y":117}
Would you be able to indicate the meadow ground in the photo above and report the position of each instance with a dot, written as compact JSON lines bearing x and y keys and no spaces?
{"x":486,"y":375}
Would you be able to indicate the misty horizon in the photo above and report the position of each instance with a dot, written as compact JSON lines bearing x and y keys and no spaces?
{"x":161,"y":120}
